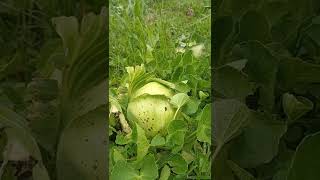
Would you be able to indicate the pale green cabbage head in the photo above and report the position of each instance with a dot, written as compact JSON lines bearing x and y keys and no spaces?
{"x":150,"y":108}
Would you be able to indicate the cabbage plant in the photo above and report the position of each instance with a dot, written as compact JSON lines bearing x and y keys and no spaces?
{"x":148,"y":114}
{"x":150,"y":108}
{"x":148,"y":102}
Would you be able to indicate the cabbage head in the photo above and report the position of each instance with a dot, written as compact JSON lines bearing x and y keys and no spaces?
{"x":150,"y":108}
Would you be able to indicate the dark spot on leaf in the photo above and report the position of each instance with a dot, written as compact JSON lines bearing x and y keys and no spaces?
{"x":165,"y":108}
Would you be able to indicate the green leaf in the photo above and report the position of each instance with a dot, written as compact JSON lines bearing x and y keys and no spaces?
{"x":149,"y":168}
{"x":124,"y":171}
{"x":178,"y":164}
{"x":165,"y":173}
{"x":305,"y":163}
{"x":117,"y":156}
{"x":238,"y":64}
{"x":295,"y":71}
{"x":87,"y":134}
{"x":179,"y":100}
{"x":192,"y":106}
{"x":19,"y":135}
{"x":189,"y":157}
{"x":158,"y":140}
{"x":142,"y":142}
{"x":176,"y":134}
{"x":229,"y":116}
{"x":204,"y":125}
{"x":152,"y":88}
{"x":226,"y":78}
{"x":44,"y":118}
{"x":259,"y":140}
{"x":68,"y":29}
{"x":182,"y":87}
{"x":122,"y":139}
{"x":137,"y":77}
{"x":295,"y":107}
{"x":262,"y":68}
{"x":89,"y":101}
{"x":84,"y":45}
{"x":203,"y":95}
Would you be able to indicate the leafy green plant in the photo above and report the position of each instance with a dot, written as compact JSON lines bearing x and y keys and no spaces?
{"x":265,"y":83}
{"x":154,"y":118}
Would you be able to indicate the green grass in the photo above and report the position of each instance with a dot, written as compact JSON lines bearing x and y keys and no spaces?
{"x":157,"y":24}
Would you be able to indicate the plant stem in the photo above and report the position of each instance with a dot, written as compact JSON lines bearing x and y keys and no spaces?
{"x":175,"y":115}
{"x":192,"y":134}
